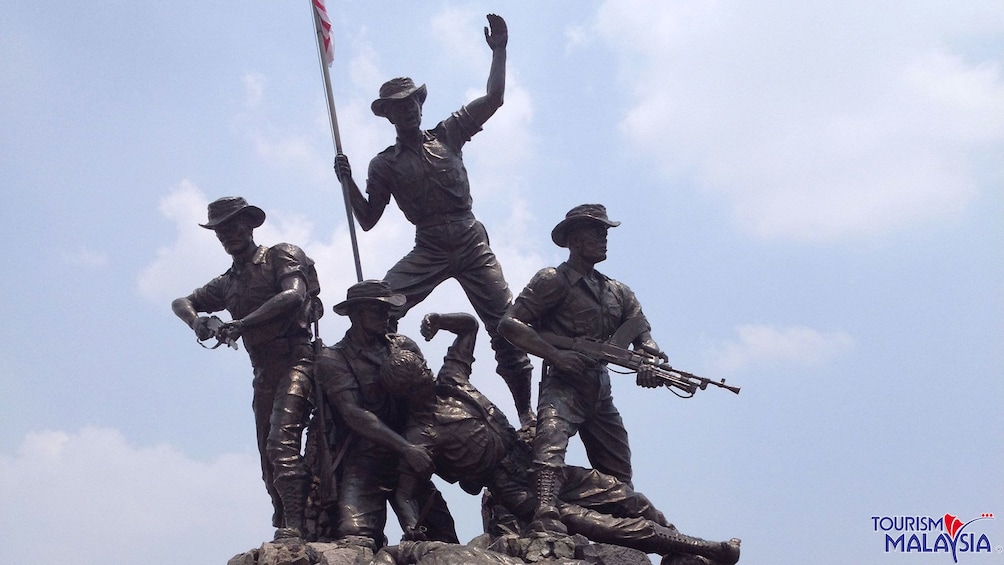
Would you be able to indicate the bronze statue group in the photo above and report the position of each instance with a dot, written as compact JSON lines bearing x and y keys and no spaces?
{"x":382,"y":421}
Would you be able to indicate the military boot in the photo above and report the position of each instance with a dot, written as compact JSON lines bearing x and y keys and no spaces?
{"x":547,"y":520}
{"x":294,"y":504}
{"x":549,"y":539}
{"x":667,"y":541}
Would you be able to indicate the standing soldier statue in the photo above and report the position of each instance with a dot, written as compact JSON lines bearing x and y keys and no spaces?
{"x":424,"y":172}
{"x":575,"y":300}
{"x":271,"y":295}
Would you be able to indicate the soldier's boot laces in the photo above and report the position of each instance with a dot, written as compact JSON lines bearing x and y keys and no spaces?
{"x":548,"y":535}
{"x":547,"y":520}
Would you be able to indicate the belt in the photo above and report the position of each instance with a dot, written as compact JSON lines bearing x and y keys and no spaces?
{"x":449,"y":218}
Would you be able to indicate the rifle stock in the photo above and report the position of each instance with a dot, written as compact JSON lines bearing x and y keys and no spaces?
{"x":603,"y":352}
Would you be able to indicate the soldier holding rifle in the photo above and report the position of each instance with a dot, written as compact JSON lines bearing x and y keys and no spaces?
{"x":575,"y":300}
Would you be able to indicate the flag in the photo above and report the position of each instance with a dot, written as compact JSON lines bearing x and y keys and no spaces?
{"x":324,"y":32}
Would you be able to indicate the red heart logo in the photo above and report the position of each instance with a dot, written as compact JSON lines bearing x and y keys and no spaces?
{"x":952,"y":524}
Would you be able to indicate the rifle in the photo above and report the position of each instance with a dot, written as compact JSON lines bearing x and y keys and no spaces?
{"x":612,"y":353}
{"x":214,"y":324}
{"x":326,"y":463}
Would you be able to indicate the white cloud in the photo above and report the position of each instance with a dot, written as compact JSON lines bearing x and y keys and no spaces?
{"x":193,"y":258}
{"x":364,"y":68}
{"x":289,"y":151}
{"x":810,"y":124}
{"x":254,"y":88}
{"x":298,"y":152}
{"x":792,"y":345}
{"x":575,"y":36}
{"x":455,"y":29}
{"x":89,"y":497}
{"x":86,"y":257}
{"x":971,"y":97}
{"x":507,"y":140}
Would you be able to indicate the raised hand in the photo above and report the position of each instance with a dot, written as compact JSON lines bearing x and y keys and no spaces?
{"x":496,"y":34}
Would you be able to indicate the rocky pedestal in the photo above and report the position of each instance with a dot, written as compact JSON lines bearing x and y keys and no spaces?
{"x":513,"y":551}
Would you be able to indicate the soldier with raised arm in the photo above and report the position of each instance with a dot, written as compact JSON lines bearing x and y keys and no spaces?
{"x":575,"y":300}
{"x":424,"y":172}
{"x":268,"y":295}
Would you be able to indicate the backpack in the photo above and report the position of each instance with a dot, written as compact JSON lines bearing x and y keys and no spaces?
{"x":316,"y":309}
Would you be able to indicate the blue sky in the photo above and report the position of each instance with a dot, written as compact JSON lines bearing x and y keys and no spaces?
{"x":812,"y":207}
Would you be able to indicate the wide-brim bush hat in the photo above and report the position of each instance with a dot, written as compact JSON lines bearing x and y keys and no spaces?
{"x":397,"y":89}
{"x":368,"y":291}
{"x":582,"y":213}
{"x":225,"y":209}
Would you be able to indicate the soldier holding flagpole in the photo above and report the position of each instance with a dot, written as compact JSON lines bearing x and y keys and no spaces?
{"x":424,"y":173}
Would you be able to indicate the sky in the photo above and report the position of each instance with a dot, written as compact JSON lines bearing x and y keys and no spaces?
{"x":812,"y":207}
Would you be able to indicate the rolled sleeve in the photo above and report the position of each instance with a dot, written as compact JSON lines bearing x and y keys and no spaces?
{"x":211,"y":297}
{"x":544,"y":291}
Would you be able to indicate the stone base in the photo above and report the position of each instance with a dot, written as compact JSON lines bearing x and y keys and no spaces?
{"x":481,"y":551}
{"x":289,"y":552}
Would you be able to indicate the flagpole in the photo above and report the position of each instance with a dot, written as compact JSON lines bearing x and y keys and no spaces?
{"x":336,"y":138}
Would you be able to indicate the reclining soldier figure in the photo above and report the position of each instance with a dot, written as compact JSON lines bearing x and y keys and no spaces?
{"x":471,"y":442}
